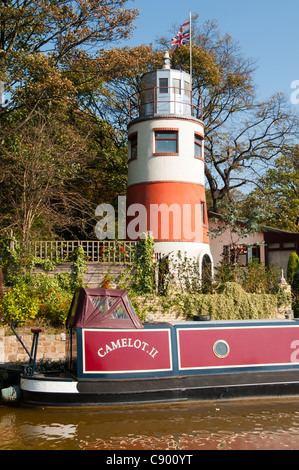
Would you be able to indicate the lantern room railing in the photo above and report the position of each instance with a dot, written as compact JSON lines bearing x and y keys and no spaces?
{"x":168,"y":100}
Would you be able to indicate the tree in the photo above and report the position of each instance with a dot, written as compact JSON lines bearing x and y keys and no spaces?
{"x":293,"y":263}
{"x":56,"y":153}
{"x":293,"y":280}
{"x":121,"y":70}
{"x":41,"y":162}
{"x":239,"y":229}
{"x":39,"y":41}
{"x":277,"y":192}
{"x":242,"y":135}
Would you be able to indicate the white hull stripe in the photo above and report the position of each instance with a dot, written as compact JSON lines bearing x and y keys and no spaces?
{"x":48,"y":386}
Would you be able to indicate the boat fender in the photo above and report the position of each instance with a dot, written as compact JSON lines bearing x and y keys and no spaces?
{"x":201,"y":318}
{"x":11,"y":393}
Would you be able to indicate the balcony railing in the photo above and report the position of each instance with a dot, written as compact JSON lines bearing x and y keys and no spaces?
{"x":171,"y":100}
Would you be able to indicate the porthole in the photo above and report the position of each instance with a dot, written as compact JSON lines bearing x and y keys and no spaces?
{"x":221,"y":348}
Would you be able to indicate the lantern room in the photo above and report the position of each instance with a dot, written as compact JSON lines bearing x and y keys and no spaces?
{"x":166,"y":91}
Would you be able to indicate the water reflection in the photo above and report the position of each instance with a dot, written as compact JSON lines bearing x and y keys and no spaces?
{"x":242,"y":425}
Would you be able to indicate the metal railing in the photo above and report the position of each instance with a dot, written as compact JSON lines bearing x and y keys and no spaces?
{"x":95,"y":250}
{"x":151,"y":101}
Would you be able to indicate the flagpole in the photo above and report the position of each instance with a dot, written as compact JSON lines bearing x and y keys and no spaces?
{"x":191,"y":65}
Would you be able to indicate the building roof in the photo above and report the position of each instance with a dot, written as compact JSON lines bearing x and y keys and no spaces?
{"x":263,"y":228}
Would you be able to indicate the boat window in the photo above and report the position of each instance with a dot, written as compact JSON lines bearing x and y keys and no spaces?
{"x":103,"y":304}
{"x":130,"y":303}
{"x":118,"y":313}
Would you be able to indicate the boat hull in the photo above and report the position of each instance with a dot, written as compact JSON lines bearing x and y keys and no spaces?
{"x":44,"y":391}
{"x":175,"y":362}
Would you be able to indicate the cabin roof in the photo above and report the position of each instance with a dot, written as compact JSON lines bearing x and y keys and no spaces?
{"x":102,"y":308}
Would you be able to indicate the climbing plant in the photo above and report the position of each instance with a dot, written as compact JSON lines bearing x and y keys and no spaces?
{"x":293,"y":280}
{"x":144,"y":266}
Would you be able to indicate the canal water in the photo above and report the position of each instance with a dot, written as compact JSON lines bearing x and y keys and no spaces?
{"x":246,"y":425}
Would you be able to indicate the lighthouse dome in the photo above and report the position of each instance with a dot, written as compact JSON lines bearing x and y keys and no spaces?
{"x":167,"y":91}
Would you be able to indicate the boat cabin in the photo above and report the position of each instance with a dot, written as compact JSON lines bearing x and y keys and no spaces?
{"x":98,"y":309}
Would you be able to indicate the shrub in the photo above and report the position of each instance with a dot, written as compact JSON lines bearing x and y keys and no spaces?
{"x":42,"y":298}
{"x":259,"y":279}
{"x":293,"y":264}
{"x":19,"y":304}
{"x":54,"y":294}
{"x":54,"y":306}
{"x":231,"y":303}
{"x":293,"y":280}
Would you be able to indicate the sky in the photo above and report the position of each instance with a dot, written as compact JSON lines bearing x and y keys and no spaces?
{"x":266,"y":30}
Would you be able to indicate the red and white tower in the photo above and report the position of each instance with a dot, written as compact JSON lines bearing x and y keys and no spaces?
{"x":166,"y":192}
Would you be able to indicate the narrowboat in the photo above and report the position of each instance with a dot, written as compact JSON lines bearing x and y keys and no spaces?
{"x":115,"y":359}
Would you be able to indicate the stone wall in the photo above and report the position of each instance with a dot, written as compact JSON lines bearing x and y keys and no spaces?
{"x":50,"y":346}
{"x":94,"y":275}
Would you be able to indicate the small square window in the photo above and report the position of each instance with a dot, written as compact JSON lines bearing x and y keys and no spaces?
{"x":166,"y":142}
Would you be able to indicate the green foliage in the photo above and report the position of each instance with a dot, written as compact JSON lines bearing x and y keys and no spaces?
{"x":43,"y":298}
{"x":277,"y":192}
{"x":47,"y":298}
{"x":139,"y":276}
{"x":293,"y":280}
{"x":186,"y":273}
{"x":19,"y":304}
{"x":254,"y":278}
{"x":79,"y":266}
{"x":164,"y":275}
{"x":232,"y":303}
{"x":296,"y":308}
{"x":238,"y":292}
{"x":293,"y":264}
{"x":39,"y":297}
{"x":144,"y":267}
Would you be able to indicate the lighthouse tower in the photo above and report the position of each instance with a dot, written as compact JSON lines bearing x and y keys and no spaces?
{"x":166,"y":193}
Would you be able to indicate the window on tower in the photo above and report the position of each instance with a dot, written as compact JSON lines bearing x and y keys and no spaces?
{"x":198,"y":146}
{"x":187,"y":89}
{"x":166,"y":142}
{"x":133,"y":146}
{"x":203,"y":213}
{"x":177,"y":86}
{"x":163,"y":85}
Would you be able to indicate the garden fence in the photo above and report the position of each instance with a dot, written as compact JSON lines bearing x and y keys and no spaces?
{"x":95,"y":250}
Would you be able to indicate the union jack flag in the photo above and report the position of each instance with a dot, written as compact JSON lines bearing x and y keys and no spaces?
{"x":183,"y":36}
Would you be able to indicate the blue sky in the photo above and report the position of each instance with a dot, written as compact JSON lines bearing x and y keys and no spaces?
{"x":267,"y":31}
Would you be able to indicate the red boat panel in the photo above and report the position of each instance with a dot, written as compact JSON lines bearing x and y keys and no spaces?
{"x":237,"y":346}
{"x":116,"y":351}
